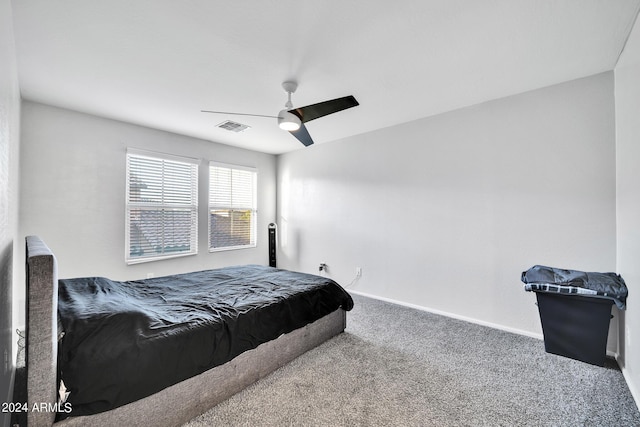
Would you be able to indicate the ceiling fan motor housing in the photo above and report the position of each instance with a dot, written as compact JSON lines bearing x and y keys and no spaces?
{"x":288,"y":121}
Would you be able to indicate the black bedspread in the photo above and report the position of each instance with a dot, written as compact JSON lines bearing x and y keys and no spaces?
{"x":126,"y":340}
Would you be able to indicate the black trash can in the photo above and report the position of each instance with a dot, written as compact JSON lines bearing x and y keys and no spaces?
{"x":575,"y":310}
{"x":574,"y":326}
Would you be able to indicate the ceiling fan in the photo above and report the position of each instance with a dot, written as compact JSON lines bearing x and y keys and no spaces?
{"x":293,"y":119}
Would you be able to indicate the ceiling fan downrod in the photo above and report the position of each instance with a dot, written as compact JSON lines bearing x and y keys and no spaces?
{"x":286,"y":120}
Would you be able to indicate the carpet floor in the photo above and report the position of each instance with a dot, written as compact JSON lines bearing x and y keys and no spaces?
{"x":396,"y":366}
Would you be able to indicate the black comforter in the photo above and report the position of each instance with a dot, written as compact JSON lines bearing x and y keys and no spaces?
{"x":126,"y":340}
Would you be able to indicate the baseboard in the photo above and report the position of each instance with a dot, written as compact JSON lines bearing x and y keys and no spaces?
{"x":452,"y":315}
{"x":610,"y":353}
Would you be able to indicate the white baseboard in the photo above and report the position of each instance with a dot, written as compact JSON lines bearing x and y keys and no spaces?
{"x":452,"y":315}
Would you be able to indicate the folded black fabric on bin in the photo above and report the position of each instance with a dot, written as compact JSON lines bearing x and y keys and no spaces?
{"x":540,"y":278}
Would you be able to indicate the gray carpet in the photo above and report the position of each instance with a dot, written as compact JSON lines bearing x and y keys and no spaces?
{"x":395,"y":366}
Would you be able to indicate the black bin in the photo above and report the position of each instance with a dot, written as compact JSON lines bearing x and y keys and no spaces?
{"x":575,"y":326}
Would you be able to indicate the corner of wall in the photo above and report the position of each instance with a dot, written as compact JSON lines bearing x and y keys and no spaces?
{"x":627,"y":104}
{"x":9,"y":151}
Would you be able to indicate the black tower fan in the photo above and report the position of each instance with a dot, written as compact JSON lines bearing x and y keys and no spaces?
{"x":272,"y":245}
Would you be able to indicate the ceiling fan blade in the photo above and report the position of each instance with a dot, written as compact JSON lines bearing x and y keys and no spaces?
{"x":303,"y":135}
{"x":321,"y":109}
{"x":238,"y":114}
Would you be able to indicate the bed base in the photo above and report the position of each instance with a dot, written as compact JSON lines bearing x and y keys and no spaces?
{"x":172,"y":406}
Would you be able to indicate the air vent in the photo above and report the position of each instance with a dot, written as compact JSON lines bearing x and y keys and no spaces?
{"x":233,"y":126}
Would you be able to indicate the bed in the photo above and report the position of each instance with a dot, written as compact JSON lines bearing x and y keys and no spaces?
{"x":256,"y":340}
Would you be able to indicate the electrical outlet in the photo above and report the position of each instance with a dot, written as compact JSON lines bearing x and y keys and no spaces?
{"x":151,"y":275}
{"x":323,"y":266}
{"x":358,"y":271}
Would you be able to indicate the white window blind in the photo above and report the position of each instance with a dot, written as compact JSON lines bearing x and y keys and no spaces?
{"x":162,"y":206}
{"x":232,"y":207}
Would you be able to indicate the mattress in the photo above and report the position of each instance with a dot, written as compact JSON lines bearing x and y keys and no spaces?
{"x":123,"y":341}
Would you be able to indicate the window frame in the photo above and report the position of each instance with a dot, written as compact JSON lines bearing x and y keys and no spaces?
{"x":254,"y":206}
{"x":191,"y":207}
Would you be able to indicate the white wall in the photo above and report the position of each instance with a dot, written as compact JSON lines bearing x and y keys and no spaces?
{"x":627,"y":94}
{"x":9,"y":140}
{"x":72,"y":192}
{"x":446,"y":212}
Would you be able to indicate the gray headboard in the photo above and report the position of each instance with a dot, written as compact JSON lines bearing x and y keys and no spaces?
{"x":42,"y":324}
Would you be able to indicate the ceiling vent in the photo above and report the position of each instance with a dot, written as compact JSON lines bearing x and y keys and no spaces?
{"x":233,"y":126}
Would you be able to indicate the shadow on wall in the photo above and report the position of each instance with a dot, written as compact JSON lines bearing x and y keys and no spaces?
{"x":621,"y":338}
{"x":288,"y":244}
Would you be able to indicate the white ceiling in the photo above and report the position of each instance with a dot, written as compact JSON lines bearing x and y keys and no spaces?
{"x":157,"y":63}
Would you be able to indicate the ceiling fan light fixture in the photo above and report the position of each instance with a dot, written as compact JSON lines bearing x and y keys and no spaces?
{"x":288,"y":121}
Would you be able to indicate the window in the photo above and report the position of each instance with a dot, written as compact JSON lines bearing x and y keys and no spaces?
{"x":232,"y":207}
{"x":162,"y":206}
